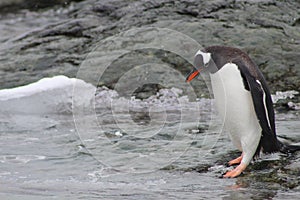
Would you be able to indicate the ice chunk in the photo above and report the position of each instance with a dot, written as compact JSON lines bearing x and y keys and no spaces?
{"x":48,"y":95}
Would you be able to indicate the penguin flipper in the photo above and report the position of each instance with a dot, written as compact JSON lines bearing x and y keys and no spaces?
{"x":263,"y":107}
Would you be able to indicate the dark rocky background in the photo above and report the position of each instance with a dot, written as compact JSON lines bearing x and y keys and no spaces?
{"x":41,"y":39}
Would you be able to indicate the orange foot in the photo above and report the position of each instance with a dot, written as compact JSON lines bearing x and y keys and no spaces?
{"x":236,"y":161}
{"x":235,"y":172}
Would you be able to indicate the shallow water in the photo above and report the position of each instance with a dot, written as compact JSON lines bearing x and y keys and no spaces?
{"x":132,"y":149}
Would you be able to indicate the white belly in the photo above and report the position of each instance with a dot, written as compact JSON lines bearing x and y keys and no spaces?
{"x":235,"y":107}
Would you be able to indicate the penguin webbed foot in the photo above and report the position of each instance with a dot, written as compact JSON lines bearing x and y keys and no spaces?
{"x":236,"y":171}
{"x":235,"y":161}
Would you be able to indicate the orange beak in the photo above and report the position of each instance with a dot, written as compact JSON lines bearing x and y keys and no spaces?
{"x":192,"y":75}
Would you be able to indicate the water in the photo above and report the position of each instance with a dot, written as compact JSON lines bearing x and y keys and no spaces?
{"x":156,"y":148}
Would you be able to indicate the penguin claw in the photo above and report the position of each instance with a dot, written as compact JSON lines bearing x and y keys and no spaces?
{"x":235,"y":172}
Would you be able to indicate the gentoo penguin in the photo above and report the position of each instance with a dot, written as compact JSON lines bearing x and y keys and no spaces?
{"x":243,"y":101}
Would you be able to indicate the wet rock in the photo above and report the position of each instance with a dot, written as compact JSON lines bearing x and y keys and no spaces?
{"x":282,"y":173}
{"x":203,"y":168}
{"x":200,"y":168}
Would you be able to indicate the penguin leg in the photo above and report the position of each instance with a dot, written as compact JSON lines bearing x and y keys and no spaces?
{"x":249,"y":145}
{"x":236,"y":161}
{"x":235,"y":172}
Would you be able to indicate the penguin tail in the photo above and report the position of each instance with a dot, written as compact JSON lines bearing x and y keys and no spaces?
{"x":286,"y":148}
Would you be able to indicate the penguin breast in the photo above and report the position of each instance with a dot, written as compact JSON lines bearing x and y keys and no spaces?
{"x":234,"y":104}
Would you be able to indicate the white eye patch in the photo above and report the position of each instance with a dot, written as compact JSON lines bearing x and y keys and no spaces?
{"x":206,"y":56}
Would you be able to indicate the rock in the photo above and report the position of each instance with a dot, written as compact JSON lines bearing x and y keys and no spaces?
{"x":12,"y":5}
{"x":48,"y":42}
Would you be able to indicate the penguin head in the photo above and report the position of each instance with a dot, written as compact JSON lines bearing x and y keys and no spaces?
{"x":201,"y":63}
